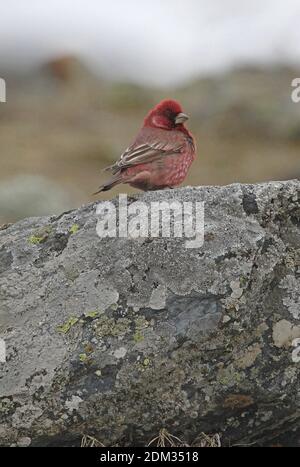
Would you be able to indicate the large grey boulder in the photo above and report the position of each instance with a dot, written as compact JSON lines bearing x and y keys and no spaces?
{"x":119,"y":337}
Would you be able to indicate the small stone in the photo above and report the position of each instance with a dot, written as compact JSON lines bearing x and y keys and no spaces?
{"x":24,"y":442}
{"x":226,"y":319}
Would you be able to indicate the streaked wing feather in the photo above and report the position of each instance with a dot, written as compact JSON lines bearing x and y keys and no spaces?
{"x":144,"y":153}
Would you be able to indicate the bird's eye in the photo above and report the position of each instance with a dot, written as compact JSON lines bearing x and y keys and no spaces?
{"x":170,"y":114}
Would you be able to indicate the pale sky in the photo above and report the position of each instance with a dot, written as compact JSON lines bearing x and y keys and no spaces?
{"x":159,"y":42}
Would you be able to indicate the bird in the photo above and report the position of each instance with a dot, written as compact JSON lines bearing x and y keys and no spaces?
{"x":161,"y":154}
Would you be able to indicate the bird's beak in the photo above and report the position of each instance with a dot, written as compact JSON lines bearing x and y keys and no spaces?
{"x":181,"y":118}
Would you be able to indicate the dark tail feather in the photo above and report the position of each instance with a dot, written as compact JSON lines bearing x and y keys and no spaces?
{"x":108,"y":185}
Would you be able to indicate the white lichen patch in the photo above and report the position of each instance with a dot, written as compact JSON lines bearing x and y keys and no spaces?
{"x":158,"y":298}
{"x":266,"y":416}
{"x":284,"y":333}
{"x":236,"y":288}
{"x":293,"y":306}
{"x":73,"y":403}
{"x":24,"y":442}
{"x":292,"y":300}
{"x":226,"y":319}
{"x":120,"y":352}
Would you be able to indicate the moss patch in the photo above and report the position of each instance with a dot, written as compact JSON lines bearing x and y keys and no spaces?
{"x":40,"y":235}
{"x":106,"y":326}
{"x":65,"y":328}
{"x":92,"y":314}
{"x":138,"y":337}
{"x":74,"y":229}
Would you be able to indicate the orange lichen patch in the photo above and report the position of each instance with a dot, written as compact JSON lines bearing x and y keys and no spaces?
{"x":238,"y":401}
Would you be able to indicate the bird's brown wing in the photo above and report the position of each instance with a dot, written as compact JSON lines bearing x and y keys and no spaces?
{"x":144,"y":153}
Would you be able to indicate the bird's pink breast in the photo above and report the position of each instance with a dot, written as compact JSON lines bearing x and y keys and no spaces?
{"x":168,"y":172}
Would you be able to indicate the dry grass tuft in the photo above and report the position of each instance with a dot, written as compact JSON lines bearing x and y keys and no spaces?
{"x":90,"y":442}
{"x":164,"y":439}
{"x":207,"y":441}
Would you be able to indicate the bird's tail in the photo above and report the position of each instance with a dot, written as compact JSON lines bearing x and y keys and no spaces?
{"x":110,"y":184}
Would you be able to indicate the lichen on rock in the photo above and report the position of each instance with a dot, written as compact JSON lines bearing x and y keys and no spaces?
{"x":118,"y":337}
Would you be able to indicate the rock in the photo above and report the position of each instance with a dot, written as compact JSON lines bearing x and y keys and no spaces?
{"x":119,"y":337}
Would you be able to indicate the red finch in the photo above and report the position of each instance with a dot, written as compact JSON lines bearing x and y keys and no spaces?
{"x":160,"y":155}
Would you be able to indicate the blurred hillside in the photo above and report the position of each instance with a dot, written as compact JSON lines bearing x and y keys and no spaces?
{"x":61,"y":125}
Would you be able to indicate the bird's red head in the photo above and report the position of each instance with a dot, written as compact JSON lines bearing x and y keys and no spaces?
{"x":167,"y":115}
